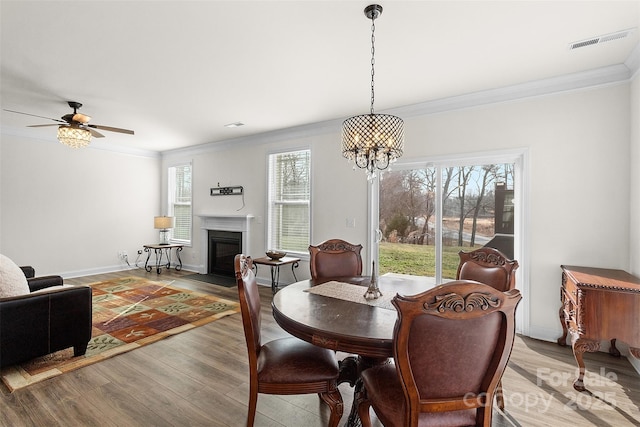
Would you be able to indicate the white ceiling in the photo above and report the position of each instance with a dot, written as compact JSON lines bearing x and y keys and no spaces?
{"x":177,"y":71}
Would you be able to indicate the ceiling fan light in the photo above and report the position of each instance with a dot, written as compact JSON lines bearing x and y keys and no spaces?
{"x":74,"y":136}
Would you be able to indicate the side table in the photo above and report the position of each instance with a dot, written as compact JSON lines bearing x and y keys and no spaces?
{"x":275,"y":268}
{"x":159,"y":250}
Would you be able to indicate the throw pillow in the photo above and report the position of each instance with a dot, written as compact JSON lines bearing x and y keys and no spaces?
{"x":12,"y":279}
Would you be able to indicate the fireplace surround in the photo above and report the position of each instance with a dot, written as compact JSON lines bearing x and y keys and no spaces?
{"x":226,"y":229}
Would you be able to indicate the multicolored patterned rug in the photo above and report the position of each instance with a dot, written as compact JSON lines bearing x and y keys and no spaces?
{"x":128,"y":313}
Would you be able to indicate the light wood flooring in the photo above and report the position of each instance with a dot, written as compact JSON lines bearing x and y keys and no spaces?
{"x":199,"y":378}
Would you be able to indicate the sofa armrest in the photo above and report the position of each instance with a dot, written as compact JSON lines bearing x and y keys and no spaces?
{"x":37,"y":283}
{"x":45,"y":322}
{"x":28,"y":271}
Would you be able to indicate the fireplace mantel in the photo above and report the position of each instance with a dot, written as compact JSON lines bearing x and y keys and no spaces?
{"x":241,"y":223}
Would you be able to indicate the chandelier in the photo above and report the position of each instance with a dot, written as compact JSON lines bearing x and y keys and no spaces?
{"x":74,"y":136}
{"x":373,"y":141}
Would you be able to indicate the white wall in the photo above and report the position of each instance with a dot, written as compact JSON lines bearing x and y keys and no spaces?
{"x":634,"y":160}
{"x":69,"y":212}
{"x":578,"y":146}
{"x":338,"y":193}
{"x":579,"y":179}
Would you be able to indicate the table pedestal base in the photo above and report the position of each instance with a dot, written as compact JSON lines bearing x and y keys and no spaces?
{"x":350,"y":369}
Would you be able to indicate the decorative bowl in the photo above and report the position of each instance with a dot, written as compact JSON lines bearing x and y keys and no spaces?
{"x":275,"y":255}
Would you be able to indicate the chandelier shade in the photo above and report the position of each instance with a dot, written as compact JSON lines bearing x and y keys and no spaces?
{"x":74,"y":136}
{"x":373,"y":141}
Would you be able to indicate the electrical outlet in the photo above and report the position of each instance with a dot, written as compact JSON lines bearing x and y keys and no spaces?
{"x":123,"y":255}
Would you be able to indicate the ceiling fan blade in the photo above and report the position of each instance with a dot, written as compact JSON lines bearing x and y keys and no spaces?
{"x":112,"y":129}
{"x":41,"y":126}
{"x":34,"y":115}
{"x":95,"y":133}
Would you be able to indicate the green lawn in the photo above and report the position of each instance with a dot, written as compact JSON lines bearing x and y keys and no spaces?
{"x":418,"y":260}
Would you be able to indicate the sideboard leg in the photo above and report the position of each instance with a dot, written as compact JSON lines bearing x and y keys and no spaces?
{"x":563,"y":322}
{"x":613,"y":350}
{"x":579,"y":347}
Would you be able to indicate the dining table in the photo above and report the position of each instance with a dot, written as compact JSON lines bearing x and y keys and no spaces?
{"x":333,"y":313}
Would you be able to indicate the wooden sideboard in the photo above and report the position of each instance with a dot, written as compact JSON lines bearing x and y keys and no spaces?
{"x":599,"y":304}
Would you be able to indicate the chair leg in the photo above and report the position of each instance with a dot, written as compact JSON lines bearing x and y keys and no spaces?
{"x":334,"y":400}
{"x":363,"y":412}
{"x":500,"y":396}
{"x":253,"y":403}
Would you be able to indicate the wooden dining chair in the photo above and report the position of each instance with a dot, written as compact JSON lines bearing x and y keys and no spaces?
{"x":335,"y":258}
{"x":489,"y":266}
{"x":492,"y":267}
{"x":285,"y":365}
{"x":451,"y":345}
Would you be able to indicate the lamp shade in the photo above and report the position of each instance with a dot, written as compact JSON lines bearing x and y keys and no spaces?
{"x":164,"y":222}
{"x":74,"y":136}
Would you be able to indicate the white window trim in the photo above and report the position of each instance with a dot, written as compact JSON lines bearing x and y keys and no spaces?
{"x":303,"y":255}
{"x":166,"y":200}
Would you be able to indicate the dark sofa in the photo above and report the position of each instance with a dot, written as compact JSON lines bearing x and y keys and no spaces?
{"x":37,"y":324}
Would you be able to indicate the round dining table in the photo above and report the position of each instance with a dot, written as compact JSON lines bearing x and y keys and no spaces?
{"x":353,"y":326}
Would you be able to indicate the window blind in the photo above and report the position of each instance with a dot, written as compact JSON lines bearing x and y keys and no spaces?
{"x":180,"y":202}
{"x":289,"y":201}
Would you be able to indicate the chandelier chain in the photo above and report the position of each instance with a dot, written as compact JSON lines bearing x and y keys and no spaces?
{"x":373,"y":60}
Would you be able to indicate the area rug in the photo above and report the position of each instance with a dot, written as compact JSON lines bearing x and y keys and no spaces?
{"x":128,"y":313}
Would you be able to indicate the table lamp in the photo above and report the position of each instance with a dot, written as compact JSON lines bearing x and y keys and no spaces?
{"x":164,"y":223}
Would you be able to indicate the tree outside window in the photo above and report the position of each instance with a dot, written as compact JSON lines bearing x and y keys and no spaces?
{"x":476,"y":204}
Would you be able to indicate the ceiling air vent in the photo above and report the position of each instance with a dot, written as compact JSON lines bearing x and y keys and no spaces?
{"x":601,"y":39}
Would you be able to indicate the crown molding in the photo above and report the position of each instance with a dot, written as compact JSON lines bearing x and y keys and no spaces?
{"x":586,"y":79}
{"x":633,"y":62}
{"x":600,"y":77}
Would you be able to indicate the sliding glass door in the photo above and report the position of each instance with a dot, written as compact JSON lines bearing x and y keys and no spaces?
{"x":427,"y":213}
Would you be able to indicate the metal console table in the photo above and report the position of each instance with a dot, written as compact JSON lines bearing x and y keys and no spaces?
{"x":275,"y":268}
{"x":160,"y":251}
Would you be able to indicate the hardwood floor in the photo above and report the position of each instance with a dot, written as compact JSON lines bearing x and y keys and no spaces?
{"x":199,"y":378}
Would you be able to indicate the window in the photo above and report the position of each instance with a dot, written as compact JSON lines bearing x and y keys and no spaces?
{"x":288,"y":224}
{"x":179,"y":180}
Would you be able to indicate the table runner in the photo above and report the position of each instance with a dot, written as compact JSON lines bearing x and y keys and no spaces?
{"x":350,"y":292}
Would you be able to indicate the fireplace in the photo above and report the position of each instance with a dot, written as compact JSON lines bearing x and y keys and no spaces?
{"x":221,"y":238}
{"x":223,"y":247}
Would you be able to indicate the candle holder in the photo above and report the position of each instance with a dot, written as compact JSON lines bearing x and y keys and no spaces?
{"x":373,"y":292}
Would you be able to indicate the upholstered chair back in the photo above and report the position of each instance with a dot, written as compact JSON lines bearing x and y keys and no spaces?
{"x":489,"y":266}
{"x":451,"y":346}
{"x":335,"y":258}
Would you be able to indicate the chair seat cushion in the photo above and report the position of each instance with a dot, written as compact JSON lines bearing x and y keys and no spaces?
{"x":385,"y":393}
{"x":290,"y":360}
{"x":13,"y":282}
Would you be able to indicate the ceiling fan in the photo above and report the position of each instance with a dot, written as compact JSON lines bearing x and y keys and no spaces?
{"x":74,"y":128}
